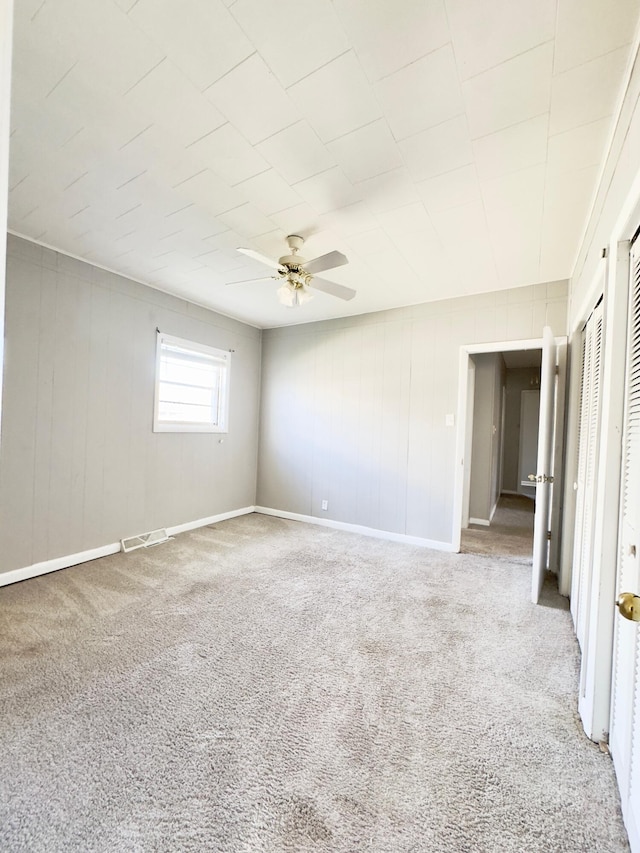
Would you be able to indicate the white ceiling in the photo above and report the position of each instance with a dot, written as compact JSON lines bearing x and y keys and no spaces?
{"x":446,"y":147}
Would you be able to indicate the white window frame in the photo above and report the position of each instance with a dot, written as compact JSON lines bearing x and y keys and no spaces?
{"x":223,"y":409}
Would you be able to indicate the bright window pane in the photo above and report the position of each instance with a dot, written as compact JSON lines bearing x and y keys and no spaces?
{"x":184,"y":413}
{"x":188,"y":394}
{"x":191,"y":386}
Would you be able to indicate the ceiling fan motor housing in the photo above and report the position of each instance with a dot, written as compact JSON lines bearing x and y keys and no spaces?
{"x":292,"y":261}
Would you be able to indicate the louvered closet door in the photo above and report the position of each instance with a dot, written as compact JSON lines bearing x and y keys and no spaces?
{"x":625,"y":706}
{"x":588,"y":439}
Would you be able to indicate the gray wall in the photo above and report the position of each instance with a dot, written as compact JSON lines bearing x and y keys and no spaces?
{"x":79,"y":464}
{"x":484,"y":488}
{"x":6,"y":45}
{"x":353,"y":410}
{"x":518,"y":380}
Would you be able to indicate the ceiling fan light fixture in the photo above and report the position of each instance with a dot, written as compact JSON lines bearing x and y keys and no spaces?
{"x":292,"y":294}
{"x":296,"y":274}
{"x":303,"y":295}
{"x":287,"y":295}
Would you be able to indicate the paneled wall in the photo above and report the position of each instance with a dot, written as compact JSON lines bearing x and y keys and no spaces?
{"x":79,"y":464}
{"x":484,"y":484}
{"x":6,"y":31}
{"x":354,"y":410}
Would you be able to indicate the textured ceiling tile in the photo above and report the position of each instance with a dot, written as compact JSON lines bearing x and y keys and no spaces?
{"x":102,"y":36}
{"x":349,"y":220}
{"x":300,"y":219}
{"x":586,"y":93}
{"x":169,"y":99}
{"x":437,"y":150}
{"x":510,"y":93}
{"x":513,"y":148}
{"x":488,"y":33}
{"x":514,"y":205}
{"x":423,"y":94}
{"x":366,"y":152}
{"x":566,"y":200}
{"x":247,"y":221}
{"x":377,"y":29}
{"x":200,"y":36}
{"x":389,"y":191}
{"x":336,"y":99}
{"x":296,"y":153}
{"x":228,"y":154}
{"x":33,"y":80}
{"x":328,"y":191}
{"x":252,"y":99}
{"x":269,"y":192}
{"x":407,"y":221}
{"x":455,"y":188}
{"x":118,"y":155}
{"x":371,"y":242}
{"x":210,"y":193}
{"x":294,"y":37}
{"x":584,"y":33}
{"x":575,"y":149}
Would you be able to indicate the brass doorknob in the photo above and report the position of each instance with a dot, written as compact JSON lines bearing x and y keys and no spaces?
{"x":629,"y":606}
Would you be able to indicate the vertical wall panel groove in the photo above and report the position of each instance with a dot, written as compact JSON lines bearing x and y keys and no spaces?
{"x":80,"y":466}
{"x":371,"y":409}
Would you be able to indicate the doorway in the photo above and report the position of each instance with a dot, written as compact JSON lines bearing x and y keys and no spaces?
{"x":501,"y":453}
{"x":547,"y":474}
{"x":510,"y":533}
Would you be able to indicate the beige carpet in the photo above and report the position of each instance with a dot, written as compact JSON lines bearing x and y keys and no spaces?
{"x":265,"y":686}
{"x":510,"y":533}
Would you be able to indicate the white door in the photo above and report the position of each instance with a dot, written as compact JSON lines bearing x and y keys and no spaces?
{"x":543,"y":476}
{"x":624,"y":736}
{"x":588,"y":439}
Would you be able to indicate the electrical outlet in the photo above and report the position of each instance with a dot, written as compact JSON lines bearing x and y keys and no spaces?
{"x":325,"y":504}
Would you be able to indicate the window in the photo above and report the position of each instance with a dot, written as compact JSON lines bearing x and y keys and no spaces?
{"x":192,"y":387}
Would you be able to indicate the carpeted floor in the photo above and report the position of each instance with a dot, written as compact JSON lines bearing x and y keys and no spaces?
{"x":265,"y":686}
{"x":510,"y":533}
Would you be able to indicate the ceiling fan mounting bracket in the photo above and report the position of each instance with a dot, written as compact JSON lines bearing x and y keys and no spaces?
{"x":293,"y":262}
{"x":295,"y":242}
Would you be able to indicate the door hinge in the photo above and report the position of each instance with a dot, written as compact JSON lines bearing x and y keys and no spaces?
{"x":549,"y":535}
{"x":557,"y":370}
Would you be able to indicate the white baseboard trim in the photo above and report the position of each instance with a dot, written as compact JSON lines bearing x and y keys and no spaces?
{"x":54,"y":565}
{"x":493,"y":512}
{"x":58,"y":563}
{"x":509,"y":492}
{"x":435,"y":544}
{"x":482,"y":521}
{"x":212,"y":519}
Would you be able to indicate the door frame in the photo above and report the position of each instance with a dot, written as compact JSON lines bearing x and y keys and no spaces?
{"x":465,"y":420}
{"x":468,"y":443}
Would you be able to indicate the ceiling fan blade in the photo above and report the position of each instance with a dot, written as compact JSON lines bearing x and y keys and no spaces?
{"x":250,"y":280}
{"x":326,"y":262}
{"x":332,"y":288}
{"x":257,"y":256}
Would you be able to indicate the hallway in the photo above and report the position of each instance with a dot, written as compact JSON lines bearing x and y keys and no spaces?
{"x":510,"y":533}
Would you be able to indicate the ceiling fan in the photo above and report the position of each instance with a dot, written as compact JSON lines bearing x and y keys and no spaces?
{"x":298,"y":275}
